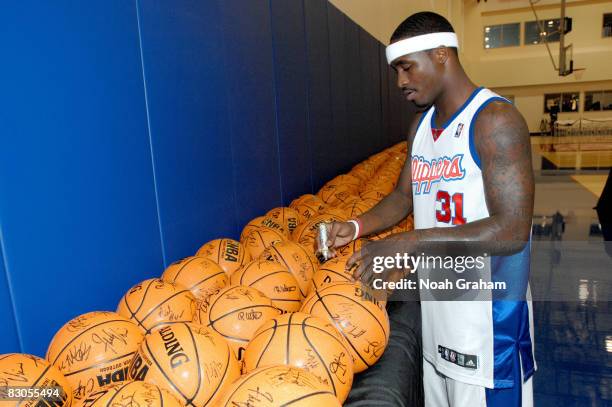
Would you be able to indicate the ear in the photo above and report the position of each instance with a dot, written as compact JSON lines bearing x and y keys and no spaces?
{"x":441,"y":55}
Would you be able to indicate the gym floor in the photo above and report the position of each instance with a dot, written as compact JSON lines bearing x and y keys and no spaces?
{"x":573,"y":333}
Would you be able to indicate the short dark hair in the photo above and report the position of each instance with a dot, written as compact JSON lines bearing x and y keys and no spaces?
{"x":421,"y":23}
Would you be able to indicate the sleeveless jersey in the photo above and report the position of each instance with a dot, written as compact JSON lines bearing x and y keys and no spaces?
{"x":476,"y":342}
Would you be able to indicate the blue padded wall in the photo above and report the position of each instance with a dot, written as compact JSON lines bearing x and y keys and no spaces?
{"x":291,"y":85}
{"x":134,"y":131}
{"x":252,"y":106}
{"x":78,"y":208}
{"x":9,"y":339}
{"x":185,"y":80}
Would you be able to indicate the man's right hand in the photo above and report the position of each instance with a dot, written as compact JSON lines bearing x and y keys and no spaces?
{"x":340,"y":234}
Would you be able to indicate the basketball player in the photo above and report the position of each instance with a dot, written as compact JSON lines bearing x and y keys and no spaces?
{"x":472,"y":182}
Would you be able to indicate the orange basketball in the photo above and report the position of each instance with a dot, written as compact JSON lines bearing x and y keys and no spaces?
{"x":350,"y":248}
{"x":382,"y":184}
{"x":274,"y":224}
{"x":23,"y":370}
{"x":374,"y":194}
{"x":94,"y":350}
{"x":252,"y":225}
{"x":364,"y":323}
{"x":332,"y":271}
{"x":237,"y":312}
{"x":288,"y":217}
{"x":279,"y":386}
{"x":335,"y":195}
{"x":227,"y":253}
{"x":201,"y":276}
{"x":296,"y":259}
{"x":154,"y":303}
{"x":355,"y":208}
{"x":347,"y":179}
{"x":273,"y":280}
{"x":307,"y":206}
{"x":335,"y":211}
{"x":306,"y":342}
{"x":259,"y":240}
{"x":306,"y":233}
{"x":191,"y":361}
{"x":133,"y":394}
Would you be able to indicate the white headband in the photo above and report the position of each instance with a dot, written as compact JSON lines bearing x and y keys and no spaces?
{"x":420,"y":43}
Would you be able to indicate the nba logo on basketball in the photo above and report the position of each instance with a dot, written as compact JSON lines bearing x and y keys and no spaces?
{"x":459,"y":130}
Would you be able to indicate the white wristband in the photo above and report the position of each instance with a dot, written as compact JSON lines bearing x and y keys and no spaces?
{"x":354,"y":222}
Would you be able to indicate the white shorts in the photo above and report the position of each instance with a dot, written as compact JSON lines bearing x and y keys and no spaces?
{"x":442,"y":391}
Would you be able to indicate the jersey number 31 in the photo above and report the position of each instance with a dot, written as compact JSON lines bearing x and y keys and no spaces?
{"x":444,"y":214}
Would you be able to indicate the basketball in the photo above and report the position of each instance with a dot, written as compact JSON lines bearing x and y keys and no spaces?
{"x":307,"y":207}
{"x":364,"y":323}
{"x":306,"y":342}
{"x":274,"y":224}
{"x":237,"y":312}
{"x":306,"y":233}
{"x":23,"y":370}
{"x":94,"y":350}
{"x":276,"y":386}
{"x":133,"y":394}
{"x":296,"y":259}
{"x":155,"y":302}
{"x":227,"y":253}
{"x":201,"y":276}
{"x":374,"y":194}
{"x":346,"y":179}
{"x":252,"y":225}
{"x":273,"y":280}
{"x":350,"y":248}
{"x":191,"y":361}
{"x":288,"y":217}
{"x":260,"y":239}
{"x":336,"y":194}
{"x":355,"y":208}
{"x":332,"y":271}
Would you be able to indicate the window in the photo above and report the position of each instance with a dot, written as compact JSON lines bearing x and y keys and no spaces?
{"x":607,"y":25}
{"x":566,"y":102}
{"x":503,"y":35}
{"x":598,"y":100}
{"x":548,"y":33}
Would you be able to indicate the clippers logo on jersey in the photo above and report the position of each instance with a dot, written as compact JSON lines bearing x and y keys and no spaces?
{"x":425,"y":173}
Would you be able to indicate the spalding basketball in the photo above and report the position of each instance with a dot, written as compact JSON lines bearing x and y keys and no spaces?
{"x":190,"y":361}
{"x":227,"y":253}
{"x":350,"y":248}
{"x":273,"y":280}
{"x":307,"y":207}
{"x":155,"y":302}
{"x":374,"y":194}
{"x":252,"y":225}
{"x":332,"y":271}
{"x":306,"y":342}
{"x":132,"y":394}
{"x":259,"y":240}
{"x":364,"y":323}
{"x":336,"y":195}
{"x":296,"y":259}
{"x":306,"y":233}
{"x":346,"y":179}
{"x":279,"y":386}
{"x":355,"y":208}
{"x":237,"y":312}
{"x":23,"y":370}
{"x":201,"y":276}
{"x":288,"y":217}
{"x":94,"y":350}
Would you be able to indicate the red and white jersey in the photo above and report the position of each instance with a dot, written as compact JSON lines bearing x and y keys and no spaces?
{"x":476,"y":342}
